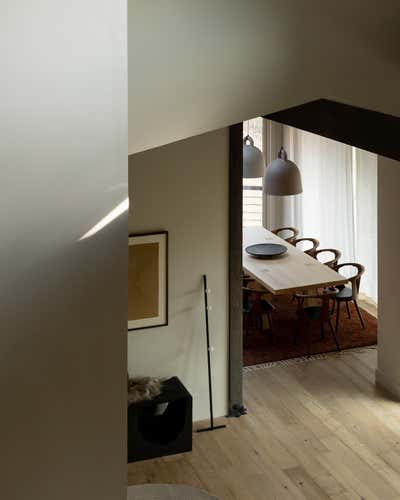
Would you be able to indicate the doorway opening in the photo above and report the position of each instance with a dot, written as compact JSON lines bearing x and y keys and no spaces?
{"x":369,"y":132}
{"x":334,"y":221}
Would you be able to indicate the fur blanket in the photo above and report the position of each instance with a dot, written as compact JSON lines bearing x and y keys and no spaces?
{"x":143,"y":389}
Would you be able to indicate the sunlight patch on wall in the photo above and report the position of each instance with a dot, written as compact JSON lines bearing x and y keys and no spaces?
{"x":114,"y":214}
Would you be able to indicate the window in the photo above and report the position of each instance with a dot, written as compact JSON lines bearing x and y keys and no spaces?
{"x":338,"y":205}
{"x":252,"y":188}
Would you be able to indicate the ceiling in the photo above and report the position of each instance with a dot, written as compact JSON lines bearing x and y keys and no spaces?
{"x":198,"y":66}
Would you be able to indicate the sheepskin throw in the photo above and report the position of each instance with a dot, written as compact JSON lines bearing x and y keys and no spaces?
{"x":143,"y":389}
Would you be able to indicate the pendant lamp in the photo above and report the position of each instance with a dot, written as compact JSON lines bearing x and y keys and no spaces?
{"x":253,"y":161}
{"x":282,"y":177}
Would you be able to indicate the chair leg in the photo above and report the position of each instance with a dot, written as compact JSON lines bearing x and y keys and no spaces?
{"x":322,"y":331}
{"x":308,"y":342}
{"x":348,"y":309}
{"x":337,"y":317}
{"x":296,"y":330}
{"x":269,"y":316}
{"x":260,"y":324}
{"x":359,"y":313}
{"x":334,"y":335}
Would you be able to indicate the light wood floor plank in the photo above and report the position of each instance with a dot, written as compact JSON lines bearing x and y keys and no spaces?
{"x":306,"y":484}
{"x":314,"y":430}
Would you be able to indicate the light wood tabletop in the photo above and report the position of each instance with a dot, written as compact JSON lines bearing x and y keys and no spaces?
{"x":294,"y":270}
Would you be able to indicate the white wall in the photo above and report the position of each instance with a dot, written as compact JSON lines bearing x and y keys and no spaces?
{"x":388,"y":372}
{"x":183,"y":188}
{"x":63,"y":149}
{"x":197,"y":65}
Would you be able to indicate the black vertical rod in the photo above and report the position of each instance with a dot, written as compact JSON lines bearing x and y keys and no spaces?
{"x":212,"y":427}
{"x":208,"y":350}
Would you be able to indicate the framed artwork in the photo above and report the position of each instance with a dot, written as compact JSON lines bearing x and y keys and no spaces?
{"x":147,"y":280}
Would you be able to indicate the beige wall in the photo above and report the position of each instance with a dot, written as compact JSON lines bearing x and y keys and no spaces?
{"x":63,"y":157}
{"x":200,"y":65}
{"x":388,"y":372}
{"x":183,"y":188}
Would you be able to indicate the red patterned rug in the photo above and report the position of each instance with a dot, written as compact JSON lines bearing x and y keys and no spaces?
{"x":267,"y":347}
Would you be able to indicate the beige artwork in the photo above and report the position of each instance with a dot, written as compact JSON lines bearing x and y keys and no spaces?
{"x":143,"y":281}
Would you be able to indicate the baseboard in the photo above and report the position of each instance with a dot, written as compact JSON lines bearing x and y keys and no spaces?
{"x":387,"y":383}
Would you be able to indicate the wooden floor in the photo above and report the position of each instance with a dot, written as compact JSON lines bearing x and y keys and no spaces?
{"x":314,"y":430}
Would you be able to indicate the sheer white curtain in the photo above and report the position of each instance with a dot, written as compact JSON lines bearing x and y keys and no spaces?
{"x":338,"y":204}
{"x":366,"y":219}
{"x":327,"y":198}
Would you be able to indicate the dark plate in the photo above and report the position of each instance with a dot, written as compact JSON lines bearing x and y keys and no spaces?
{"x":266,"y":250}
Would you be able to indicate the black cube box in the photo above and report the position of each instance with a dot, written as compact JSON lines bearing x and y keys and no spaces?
{"x":162,"y":426}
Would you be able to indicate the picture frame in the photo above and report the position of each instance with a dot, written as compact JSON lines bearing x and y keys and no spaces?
{"x":147,"y":280}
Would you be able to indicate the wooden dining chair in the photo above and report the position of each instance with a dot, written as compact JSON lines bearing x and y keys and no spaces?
{"x":321,"y":313}
{"x":310,"y":251}
{"x":348,"y":293}
{"x":294,"y":233}
{"x":246,"y":279}
{"x":333,"y":261}
{"x":255,"y":306}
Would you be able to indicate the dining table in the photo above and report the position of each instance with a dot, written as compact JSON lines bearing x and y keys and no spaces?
{"x":289,"y":272}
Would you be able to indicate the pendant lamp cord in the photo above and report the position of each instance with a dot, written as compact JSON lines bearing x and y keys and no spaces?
{"x":248,"y":138}
{"x":282,"y":154}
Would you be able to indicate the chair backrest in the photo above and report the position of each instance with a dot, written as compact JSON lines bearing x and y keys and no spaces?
{"x":333,"y":261}
{"x":294,"y":233}
{"x":246,"y":279}
{"x":310,"y":251}
{"x":252,"y":300}
{"x":355,"y":279}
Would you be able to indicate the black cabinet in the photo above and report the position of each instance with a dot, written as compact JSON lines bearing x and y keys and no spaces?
{"x":162,"y":426}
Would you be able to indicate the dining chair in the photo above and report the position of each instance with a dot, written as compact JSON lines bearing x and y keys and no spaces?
{"x":350,"y":293}
{"x":310,"y":251}
{"x":246,"y":279}
{"x":255,"y":306}
{"x":332,"y":262}
{"x":294,"y":233}
{"x":321,"y":313}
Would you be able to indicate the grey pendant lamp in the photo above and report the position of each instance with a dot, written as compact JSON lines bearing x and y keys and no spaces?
{"x":253,"y":161}
{"x":282,"y":177}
